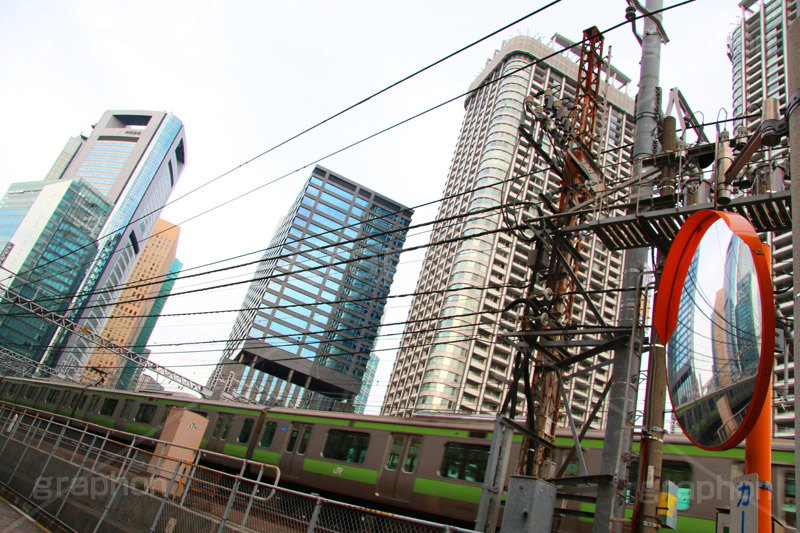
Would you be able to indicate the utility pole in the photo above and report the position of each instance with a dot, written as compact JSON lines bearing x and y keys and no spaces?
{"x":793,"y":60}
{"x":611,"y":494}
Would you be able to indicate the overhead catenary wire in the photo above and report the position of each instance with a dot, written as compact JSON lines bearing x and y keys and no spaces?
{"x":198,"y":215}
{"x":157,"y":280}
{"x":389,"y":128}
{"x":313,"y":127}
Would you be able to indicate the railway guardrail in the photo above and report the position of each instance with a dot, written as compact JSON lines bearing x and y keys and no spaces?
{"x":75,"y":476}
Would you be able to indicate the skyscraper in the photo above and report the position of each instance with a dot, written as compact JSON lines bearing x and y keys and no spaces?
{"x":757,"y":50}
{"x":305,"y":333}
{"x":454,"y":355}
{"x":134,"y":158}
{"x":127,"y":319}
{"x":131,"y":373}
{"x":52,"y":227}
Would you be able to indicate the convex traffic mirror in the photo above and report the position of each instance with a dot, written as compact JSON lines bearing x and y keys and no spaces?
{"x":715,"y":313}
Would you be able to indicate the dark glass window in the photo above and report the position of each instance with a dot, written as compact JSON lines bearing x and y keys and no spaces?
{"x":126,"y":409}
{"x":394,"y":453}
{"x":108,"y":407}
{"x":145,"y":413}
{"x":464,"y":461}
{"x":411,"y":458}
{"x":247,"y":428}
{"x":52,"y":396}
{"x":269,"y":433}
{"x":346,"y":446}
{"x":304,"y":441}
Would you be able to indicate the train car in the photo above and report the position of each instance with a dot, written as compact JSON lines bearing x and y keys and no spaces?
{"x":429,"y":466}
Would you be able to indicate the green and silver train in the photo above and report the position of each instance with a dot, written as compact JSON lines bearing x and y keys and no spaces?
{"x":427,"y":465}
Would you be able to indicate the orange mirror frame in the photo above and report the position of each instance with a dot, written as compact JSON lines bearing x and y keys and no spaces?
{"x":670,"y":287}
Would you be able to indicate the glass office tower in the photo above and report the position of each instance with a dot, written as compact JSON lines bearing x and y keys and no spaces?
{"x":305,"y":333}
{"x":134,"y":158}
{"x":52,"y":227}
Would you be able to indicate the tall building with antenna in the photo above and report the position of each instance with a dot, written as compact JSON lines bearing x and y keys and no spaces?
{"x":134,"y":159}
{"x":757,"y":48}
{"x":455,"y":355}
{"x":306,"y":330}
{"x":81,"y":229}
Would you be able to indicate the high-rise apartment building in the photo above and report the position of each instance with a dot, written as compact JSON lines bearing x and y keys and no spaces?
{"x":454,"y":356}
{"x":757,"y":49}
{"x":137,"y":300}
{"x":134,"y":158}
{"x":306,"y":330}
{"x":52,"y":227}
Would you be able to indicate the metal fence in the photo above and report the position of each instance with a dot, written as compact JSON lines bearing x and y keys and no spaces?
{"x":81,"y":477}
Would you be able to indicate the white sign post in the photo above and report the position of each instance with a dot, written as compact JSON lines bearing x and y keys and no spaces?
{"x":744,"y":505}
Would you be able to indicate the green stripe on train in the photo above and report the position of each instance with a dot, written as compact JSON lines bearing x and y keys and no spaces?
{"x":306,"y":418}
{"x":413,"y":429}
{"x":446,"y":489}
{"x":685,"y":523}
{"x":351,"y":473}
{"x":139,"y":429}
{"x":235,"y":450}
{"x":101,"y":420}
{"x":263,"y":456}
{"x":683,"y":449}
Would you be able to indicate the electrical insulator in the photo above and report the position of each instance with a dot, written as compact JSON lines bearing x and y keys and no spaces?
{"x":723,"y":163}
{"x":769,"y":122}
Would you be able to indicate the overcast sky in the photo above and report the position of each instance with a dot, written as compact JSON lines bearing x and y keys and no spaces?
{"x":244,"y":76}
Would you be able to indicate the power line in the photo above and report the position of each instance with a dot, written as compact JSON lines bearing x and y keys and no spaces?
{"x":328,"y":119}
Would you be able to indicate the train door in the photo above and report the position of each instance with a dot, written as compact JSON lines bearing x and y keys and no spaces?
{"x":294,"y":453}
{"x":219,"y":435}
{"x":396,"y":477}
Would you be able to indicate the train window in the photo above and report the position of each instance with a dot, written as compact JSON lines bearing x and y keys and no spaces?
{"x":269,"y":433}
{"x":304,"y":440}
{"x":394,"y":453}
{"x":108,"y":407}
{"x":247,"y":428}
{"x":127,"y":405}
{"x":51,"y":397}
{"x":292,"y":439}
{"x":218,"y":426}
{"x":464,"y":461}
{"x":13,"y":389}
{"x":83,"y":402}
{"x":93,"y":404}
{"x":167,"y":409}
{"x":411,"y":458}
{"x":224,"y":424}
{"x":31,"y":392}
{"x":789,"y":499}
{"x":66,"y":399}
{"x":346,"y":446}
{"x":678,"y":472}
{"x":145,"y":413}
{"x":225,"y":428}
